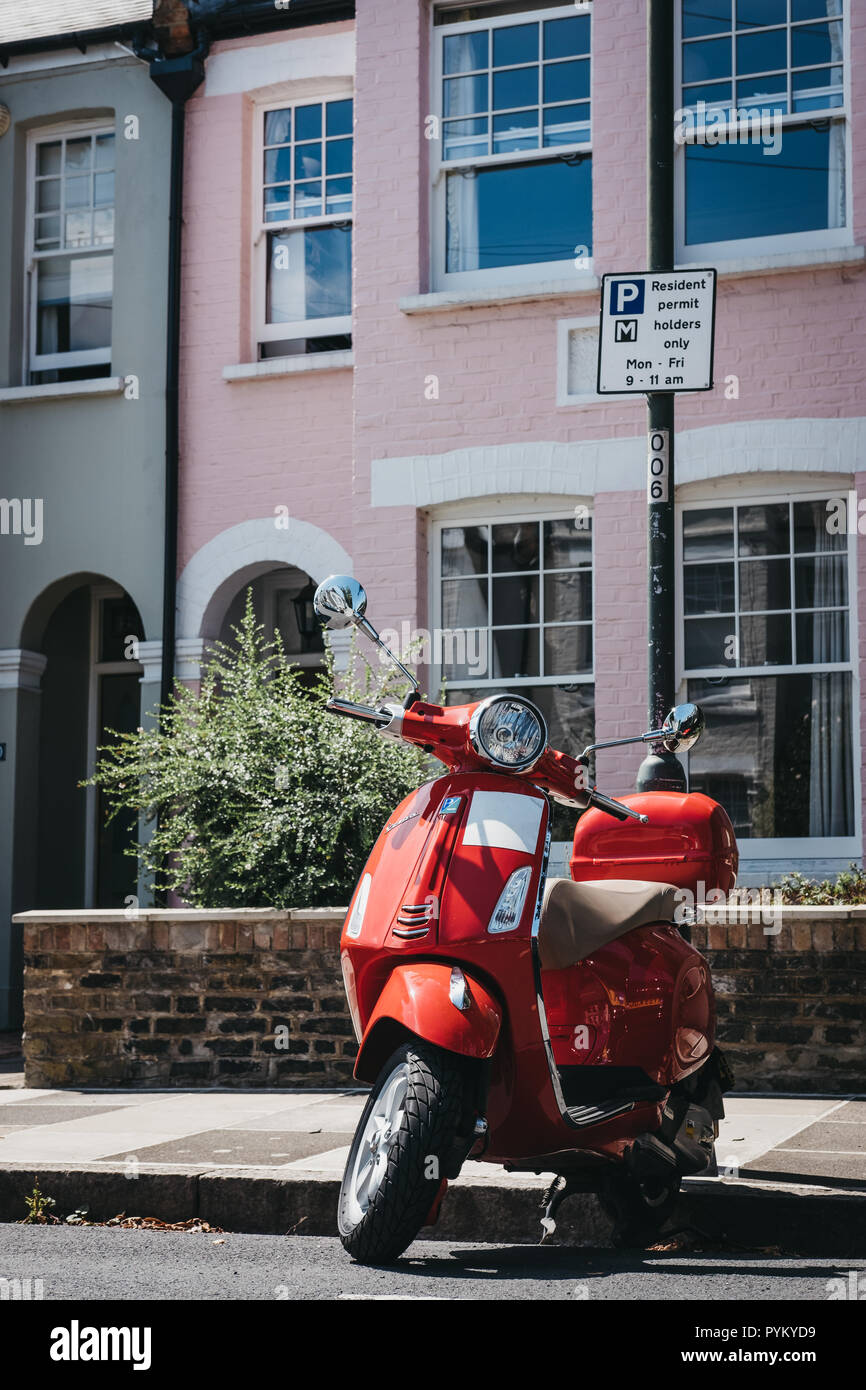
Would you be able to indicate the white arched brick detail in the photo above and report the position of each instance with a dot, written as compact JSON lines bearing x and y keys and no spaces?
{"x":239,"y":554}
{"x":584,"y":467}
{"x":771,"y":446}
{"x":541,"y":467}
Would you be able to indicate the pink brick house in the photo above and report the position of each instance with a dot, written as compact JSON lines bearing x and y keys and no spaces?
{"x":395,"y":229}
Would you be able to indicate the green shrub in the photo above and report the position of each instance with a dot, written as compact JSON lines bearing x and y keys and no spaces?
{"x":257,"y":797}
{"x":848,"y":887}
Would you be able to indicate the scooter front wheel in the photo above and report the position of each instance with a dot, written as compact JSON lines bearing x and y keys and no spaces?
{"x":398,"y":1155}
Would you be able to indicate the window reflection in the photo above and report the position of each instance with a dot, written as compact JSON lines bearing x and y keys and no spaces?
{"x":500,"y":215}
{"x":780,"y":757}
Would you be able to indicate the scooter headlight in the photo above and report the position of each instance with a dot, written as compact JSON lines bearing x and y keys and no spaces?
{"x":509,"y":732}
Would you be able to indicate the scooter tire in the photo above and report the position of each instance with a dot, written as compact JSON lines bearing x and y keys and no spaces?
{"x":431,"y":1115}
{"x":638,"y":1209}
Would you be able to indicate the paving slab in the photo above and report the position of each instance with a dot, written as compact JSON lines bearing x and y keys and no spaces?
{"x":851,"y":1110}
{"x":340,"y":1117}
{"x":781,"y":1105}
{"x":36,"y":1115}
{"x":329,"y":1162}
{"x":846,"y":1169}
{"x":752,"y":1126}
{"x":42,"y":1099}
{"x":51,"y":1146}
{"x":849,"y":1135}
{"x":10,"y":1097}
{"x":230,"y":1147}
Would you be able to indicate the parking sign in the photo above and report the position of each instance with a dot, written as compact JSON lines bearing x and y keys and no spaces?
{"x":627,"y":296}
{"x":656,"y":332}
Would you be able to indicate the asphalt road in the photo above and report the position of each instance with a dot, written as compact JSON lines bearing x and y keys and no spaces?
{"x":98,"y":1263}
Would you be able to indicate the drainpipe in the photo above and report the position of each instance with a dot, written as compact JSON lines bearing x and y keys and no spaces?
{"x":177,"y":78}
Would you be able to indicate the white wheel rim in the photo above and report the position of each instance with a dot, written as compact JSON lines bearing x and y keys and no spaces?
{"x":369,"y":1164}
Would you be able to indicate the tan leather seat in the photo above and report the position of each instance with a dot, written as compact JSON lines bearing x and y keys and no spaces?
{"x":579,"y":918}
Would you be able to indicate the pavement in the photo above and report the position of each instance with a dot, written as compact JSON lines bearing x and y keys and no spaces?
{"x":792,"y":1169}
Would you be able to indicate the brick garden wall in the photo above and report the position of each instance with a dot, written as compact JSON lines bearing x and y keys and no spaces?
{"x":791,"y":1006}
{"x":186,"y":998}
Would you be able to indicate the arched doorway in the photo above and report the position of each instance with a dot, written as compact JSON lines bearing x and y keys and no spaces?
{"x":89,"y":634}
{"x":282,"y":602}
{"x":281,"y":563}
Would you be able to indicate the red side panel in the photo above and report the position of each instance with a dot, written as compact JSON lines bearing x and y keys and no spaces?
{"x":644,"y":1001}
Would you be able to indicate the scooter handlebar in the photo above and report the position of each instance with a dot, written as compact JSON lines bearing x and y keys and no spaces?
{"x":354,"y":711}
{"x":389,"y":721}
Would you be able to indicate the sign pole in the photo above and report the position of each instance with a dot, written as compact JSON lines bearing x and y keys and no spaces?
{"x":660,"y":770}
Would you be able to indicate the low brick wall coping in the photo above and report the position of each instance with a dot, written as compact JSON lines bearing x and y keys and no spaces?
{"x":736,"y":927}
{"x":712,"y":914}
{"x":755,"y":915}
{"x":106,"y":916}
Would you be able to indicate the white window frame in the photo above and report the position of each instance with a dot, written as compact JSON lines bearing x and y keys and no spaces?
{"x":58,"y":361}
{"x":819,"y":239}
{"x":532,"y":271}
{"x":491,"y":516}
{"x":788,"y":847}
{"x":301,"y":93}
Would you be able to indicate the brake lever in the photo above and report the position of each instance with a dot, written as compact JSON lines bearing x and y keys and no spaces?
{"x":616,"y":808}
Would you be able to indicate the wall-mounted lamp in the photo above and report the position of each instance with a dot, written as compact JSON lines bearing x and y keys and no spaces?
{"x":305,"y":614}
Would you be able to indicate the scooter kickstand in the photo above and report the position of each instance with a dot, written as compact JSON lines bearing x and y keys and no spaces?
{"x":551,"y":1202}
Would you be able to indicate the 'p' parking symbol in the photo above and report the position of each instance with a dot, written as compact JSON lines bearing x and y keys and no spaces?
{"x":627,"y":296}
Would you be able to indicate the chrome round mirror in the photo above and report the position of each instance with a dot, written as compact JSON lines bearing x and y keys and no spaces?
{"x":340,"y":601}
{"x":683,"y":727}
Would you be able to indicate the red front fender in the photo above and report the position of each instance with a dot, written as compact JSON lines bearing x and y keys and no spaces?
{"x":417,"y":1000}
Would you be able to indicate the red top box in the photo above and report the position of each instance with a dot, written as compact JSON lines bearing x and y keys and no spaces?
{"x":689,"y":840}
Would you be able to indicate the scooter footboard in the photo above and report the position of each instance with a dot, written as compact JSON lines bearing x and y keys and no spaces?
{"x":438,"y":1003}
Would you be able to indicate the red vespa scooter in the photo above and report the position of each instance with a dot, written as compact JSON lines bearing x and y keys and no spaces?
{"x":547,"y":1025}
